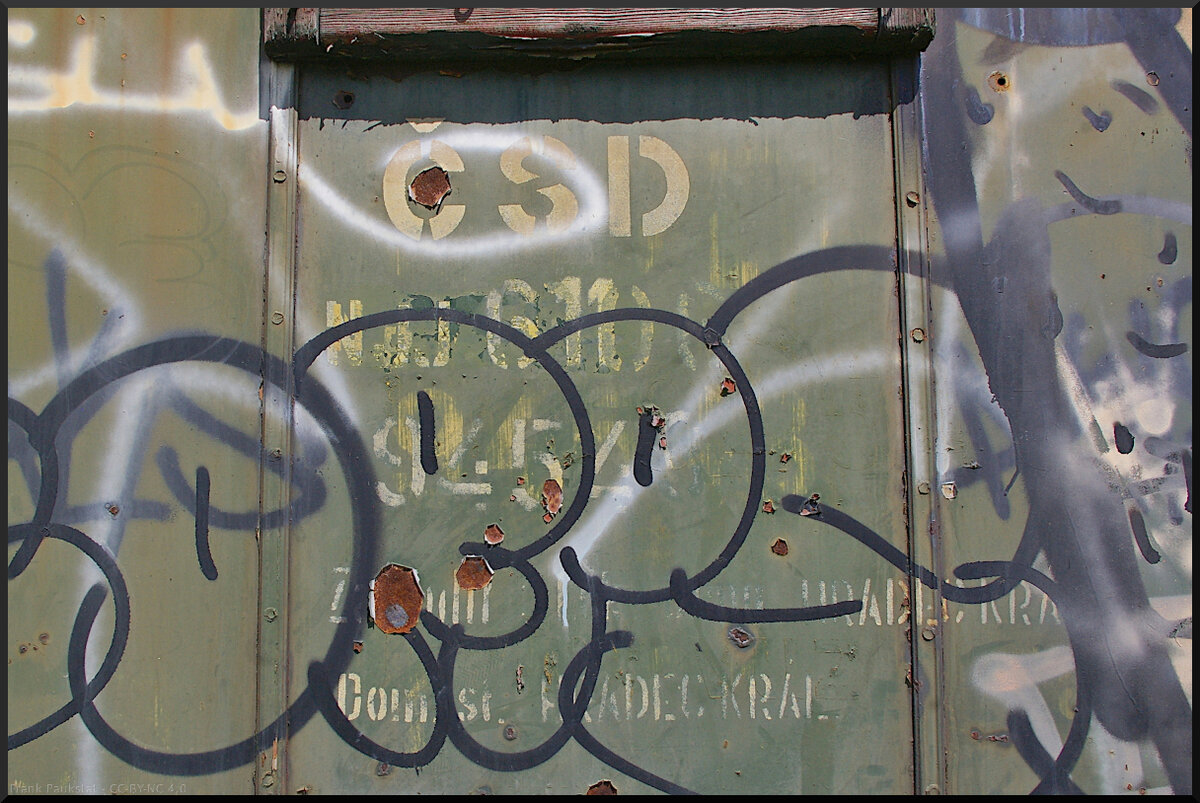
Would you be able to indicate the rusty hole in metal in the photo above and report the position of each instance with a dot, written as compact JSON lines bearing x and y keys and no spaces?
{"x":780,"y":547}
{"x":44,"y":638}
{"x":343,"y":99}
{"x":811,"y":508}
{"x":510,"y":732}
{"x":741,"y":637}
{"x":112,"y":509}
{"x":551,"y":497}
{"x":604,"y":787}
{"x":473,"y":573}
{"x":1152,"y":78}
{"x":493,"y":534}
{"x":24,"y":648}
{"x":912,"y":199}
{"x":396,"y":599}
{"x":783,"y":458}
{"x":358,"y":647}
{"x":430,"y":187}
{"x":975,"y":735}
{"x":728,"y":386}
{"x":768,"y":506}
{"x":999,"y":81}
{"x":382,"y":769}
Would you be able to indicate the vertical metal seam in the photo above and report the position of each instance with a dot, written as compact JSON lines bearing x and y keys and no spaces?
{"x":279,"y":281}
{"x":920,"y":432}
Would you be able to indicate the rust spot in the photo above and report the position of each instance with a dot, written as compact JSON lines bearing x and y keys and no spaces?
{"x":728,"y":386}
{"x":551,"y":497}
{"x":512,"y":497}
{"x":493,"y":534}
{"x":510,"y":732}
{"x":382,"y":769}
{"x":473,"y":573}
{"x":397,"y":597}
{"x":741,"y":637}
{"x":602,"y":788}
{"x":549,"y":517}
{"x":91,"y":134}
{"x":430,"y":187}
{"x":811,"y":508}
{"x":780,"y":547}
{"x":80,"y":20}
{"x":520,"y":680}
{"x":358,"y":647}
{"x":783,"y":458}
{"x":999,"y":82}
{"x":768,"y":506}
{"x":975,"y":735}
{"x":112,"y":509}
{"x":662,"y":442}
{"x":520,"y":480}
{"x":1129,"y":787}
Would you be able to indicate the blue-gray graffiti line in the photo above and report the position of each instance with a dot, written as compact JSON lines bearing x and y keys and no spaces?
{"x":1138,"y":698}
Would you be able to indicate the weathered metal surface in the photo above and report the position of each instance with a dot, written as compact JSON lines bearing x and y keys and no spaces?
{"x":815,"y":426}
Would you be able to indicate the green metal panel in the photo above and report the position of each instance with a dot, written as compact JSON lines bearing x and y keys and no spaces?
{"x":949,"y":294}
{"x":136,"y":212}
{"x":744,"y":157}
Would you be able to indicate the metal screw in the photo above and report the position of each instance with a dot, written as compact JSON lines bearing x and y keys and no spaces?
{"x":918,"y":334}
{"x":270,"y":613}
{"x":922,"y":487}
{"x":280,"y":176}
{"x":276,"y":317}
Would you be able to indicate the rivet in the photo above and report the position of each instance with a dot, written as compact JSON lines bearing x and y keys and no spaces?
{"x":1152,"y":78}
{"x":928,"y":633}
{"x":912,"y":199}
{"x":922,"y":487}
{"x":270,"y":614}
{"x":918,"y":335}
{"x":277,"y":317}
{"x":268,"y":780}
{"x":741,"y":637}
{"x":280,"y":176}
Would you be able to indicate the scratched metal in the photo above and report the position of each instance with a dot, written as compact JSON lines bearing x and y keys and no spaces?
{"x":998,"y":438}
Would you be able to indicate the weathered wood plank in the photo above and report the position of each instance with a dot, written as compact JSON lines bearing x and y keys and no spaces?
{"x":487,"y":33}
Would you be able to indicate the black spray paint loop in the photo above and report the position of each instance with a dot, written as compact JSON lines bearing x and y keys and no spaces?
{"x":533,"y":348}
{"x":360,"y":479}
{"x":84,"y":619}
{"x":712,"y":612}
{"x":750,"y":403}
{"x":541,"y":604}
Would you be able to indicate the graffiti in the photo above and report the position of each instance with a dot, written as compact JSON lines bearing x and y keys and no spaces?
{"x":1102,"y":452}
